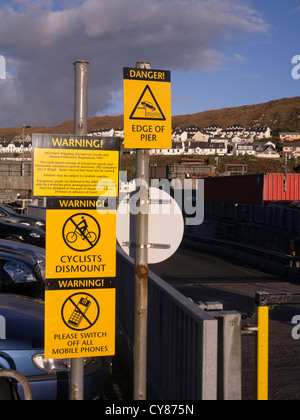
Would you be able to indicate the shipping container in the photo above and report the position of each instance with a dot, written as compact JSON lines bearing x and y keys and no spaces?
{"x":157,"y":172}
{"x":257,"y":189}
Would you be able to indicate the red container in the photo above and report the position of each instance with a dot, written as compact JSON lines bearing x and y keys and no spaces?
{"x":274,"y":188}
{"x":257,"y":189}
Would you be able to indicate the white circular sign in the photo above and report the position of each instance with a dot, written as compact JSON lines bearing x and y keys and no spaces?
{"x":165,"y":225}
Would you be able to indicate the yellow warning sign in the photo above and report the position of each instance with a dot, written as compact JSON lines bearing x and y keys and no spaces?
{"x":80,"y":244}
{"x":79,"y":323}
{"x":67,"y":166}
{"x":147,"y":109}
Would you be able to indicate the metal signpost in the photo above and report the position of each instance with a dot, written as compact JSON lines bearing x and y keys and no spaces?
{"x":147,"y":125}
{"x":79,"y":176}
{"x":80,"y":128}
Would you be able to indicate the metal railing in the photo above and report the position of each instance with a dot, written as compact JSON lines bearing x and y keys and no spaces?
{"x":280,"y":217}
{"x":289,"y":260}
{"x":13,"y":169}
{"x":185,"y":352}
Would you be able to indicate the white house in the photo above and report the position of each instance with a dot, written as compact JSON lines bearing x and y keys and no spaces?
{"x":234,"y":130}
{"x":219,"y":140}
{"x":109,"y":132}
{"x":191,"y":130}
{"x":214,"y":130}
{"x":178,"y":148}
{"x":119,"y":133}
{"x":236,"y":139}
{"x":263,"y":150}
{"x":258,"y":133}
{"x":17,"y":147}
{"x":206,"y":148}
{"x":267,"y":150}
{"x":242,"y":149}
{"x":201,"y":136}
{"x":179,"y":135}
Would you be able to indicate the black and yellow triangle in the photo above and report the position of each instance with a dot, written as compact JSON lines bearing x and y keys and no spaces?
{"x":147,"y":107}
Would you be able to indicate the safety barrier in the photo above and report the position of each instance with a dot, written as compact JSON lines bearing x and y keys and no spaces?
{"x":268,"y":256}
{"x":263,"y":303}
{"x":280,"y":217}
{"x":192,"y":354}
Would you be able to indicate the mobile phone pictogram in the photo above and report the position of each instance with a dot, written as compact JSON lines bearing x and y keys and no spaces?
{"x":79,"y":312}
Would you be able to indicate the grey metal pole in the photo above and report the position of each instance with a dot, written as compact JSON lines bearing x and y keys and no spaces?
{"x":23,"y":154}
{"x":81,"y":97}
{"x":80,"y":128}
{"x":141,"y":272}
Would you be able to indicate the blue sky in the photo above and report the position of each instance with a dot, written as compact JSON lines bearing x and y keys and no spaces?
{"x":261,"y":71}
{"x":222,"y":53}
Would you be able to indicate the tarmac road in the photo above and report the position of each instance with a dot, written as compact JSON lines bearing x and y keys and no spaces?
{"x":204,"y":277}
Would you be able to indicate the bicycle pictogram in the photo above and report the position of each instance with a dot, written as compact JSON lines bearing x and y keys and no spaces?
{"x":81,"y":232}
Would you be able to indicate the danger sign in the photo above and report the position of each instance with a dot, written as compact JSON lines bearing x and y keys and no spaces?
{"x":147,"y":109}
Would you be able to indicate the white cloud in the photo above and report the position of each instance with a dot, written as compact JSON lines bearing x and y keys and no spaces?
{"x":239,"y":57}
{"x":43,"y":43}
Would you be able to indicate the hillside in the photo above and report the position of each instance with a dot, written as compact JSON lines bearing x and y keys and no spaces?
{"x":281,"y":114}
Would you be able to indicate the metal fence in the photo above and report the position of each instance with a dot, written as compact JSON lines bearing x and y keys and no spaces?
{"x":13,"y":169}
{"x":280,"y":217}
{"x":185,"y":352}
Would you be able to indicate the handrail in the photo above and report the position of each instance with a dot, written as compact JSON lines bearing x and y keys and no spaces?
{"x":241,"y":246}
{"x":182,"y":363}
{"x":6,"y":373}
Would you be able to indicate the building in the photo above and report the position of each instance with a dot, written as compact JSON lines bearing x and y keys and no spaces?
{"x":243,"y":149}
{"x":258,"y":133}
{"x":291,"y":149}
{"x":234,"y":130}
{"x":242,"y":139}
{"x":207,"y":148}
{"x":267,"y":150}
{"x":16,"y":147}
{"x":178,"y":148}
{"x":214,"y":130}
{"x":289,"y":137}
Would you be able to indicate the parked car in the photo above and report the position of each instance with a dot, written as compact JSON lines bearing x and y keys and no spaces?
{"x":36,"y":252}
{"x":23,"y":350}
{"x":7,"y":214}
{"x":20,"y":274}
{"x":22,"y":233}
